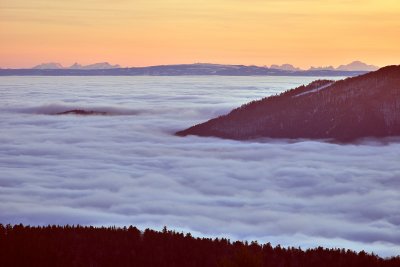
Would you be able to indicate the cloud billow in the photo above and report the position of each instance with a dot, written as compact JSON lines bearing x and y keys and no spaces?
{"x":131,"y":169}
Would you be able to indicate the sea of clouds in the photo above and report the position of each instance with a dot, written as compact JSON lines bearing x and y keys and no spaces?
{"x":128,"y":167}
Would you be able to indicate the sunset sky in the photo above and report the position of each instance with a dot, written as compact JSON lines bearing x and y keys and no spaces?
{"x":150,"y":32}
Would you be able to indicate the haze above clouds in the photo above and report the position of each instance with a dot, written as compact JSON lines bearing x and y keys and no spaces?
{"x":154,"y":32}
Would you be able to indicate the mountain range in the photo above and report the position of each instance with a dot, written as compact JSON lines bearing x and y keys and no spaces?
{"x":104,"y":69}
{"x":76,"y":66}
{"x":353,"y":66}
{"x":364,"y":106}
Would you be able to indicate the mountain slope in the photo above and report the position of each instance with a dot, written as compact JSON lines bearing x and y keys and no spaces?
{"x":362,"y":106}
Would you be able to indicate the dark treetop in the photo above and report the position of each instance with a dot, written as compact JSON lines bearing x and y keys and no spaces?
{"x":70,"y":246}
{"x":345,"y":110}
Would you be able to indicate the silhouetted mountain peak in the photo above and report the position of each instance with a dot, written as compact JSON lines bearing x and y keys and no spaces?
{"x":95,"y":66}
{"x":101,"y":65}
{"x":357,"y":65}
{"x":49,"y":65}
{"x":75,"y":66}
{"x":287,"y":67}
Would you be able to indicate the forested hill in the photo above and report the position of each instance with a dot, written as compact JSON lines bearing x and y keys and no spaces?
{"x":364,"y":106}
{"x":59,"y":246}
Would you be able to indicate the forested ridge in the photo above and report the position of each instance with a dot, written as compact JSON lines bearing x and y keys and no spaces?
{"x":364,"y":106}
{"x":128,"y":246}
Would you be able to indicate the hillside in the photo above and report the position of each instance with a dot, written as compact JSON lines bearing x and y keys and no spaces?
{"x":358,"y":107}
{"x":89,"y":246}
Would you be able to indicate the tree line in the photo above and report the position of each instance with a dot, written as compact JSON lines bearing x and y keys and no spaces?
{"x":128,"y":246}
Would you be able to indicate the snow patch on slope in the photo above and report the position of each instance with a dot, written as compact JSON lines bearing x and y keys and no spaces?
{"x":315,"y":90}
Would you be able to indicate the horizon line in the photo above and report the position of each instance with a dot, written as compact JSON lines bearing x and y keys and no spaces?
{"x":67,"y":66}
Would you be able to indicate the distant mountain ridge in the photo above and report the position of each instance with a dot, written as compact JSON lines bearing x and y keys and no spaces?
{"x":288,"y":67}
{"x":357,"y":65}
{"x":49,"y":65}
{"x":353,"y":66}
{"x":345,"y":110}
{"x":322,"y":68}
{"x":105,"y":69}
{"x":77,"y":66}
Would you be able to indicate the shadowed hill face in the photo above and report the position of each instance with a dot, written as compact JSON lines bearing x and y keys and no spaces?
{"x":363,"y":106}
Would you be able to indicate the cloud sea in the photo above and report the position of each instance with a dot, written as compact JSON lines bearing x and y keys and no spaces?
{"x":129,"y":169}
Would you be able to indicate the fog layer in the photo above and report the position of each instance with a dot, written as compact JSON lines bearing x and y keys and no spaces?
{"x":131,"y":169}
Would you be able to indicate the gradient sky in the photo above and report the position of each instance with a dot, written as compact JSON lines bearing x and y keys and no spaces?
{"x":149,"y":32}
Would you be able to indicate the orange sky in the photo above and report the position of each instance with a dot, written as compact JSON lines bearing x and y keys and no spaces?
{"x":150,"y":32}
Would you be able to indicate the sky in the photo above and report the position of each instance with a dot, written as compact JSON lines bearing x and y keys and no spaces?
{"x":150,"y":32}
